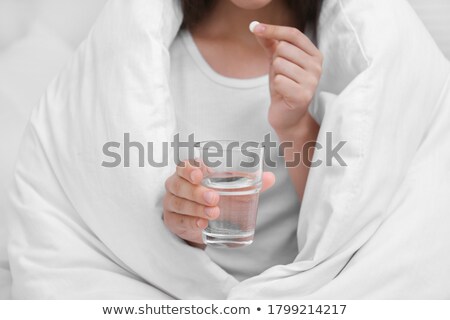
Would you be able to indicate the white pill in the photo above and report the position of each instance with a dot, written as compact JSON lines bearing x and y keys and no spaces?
{"x":253,"y":25}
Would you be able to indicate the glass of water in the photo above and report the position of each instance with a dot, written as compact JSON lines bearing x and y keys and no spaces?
{"x":234,"y":170}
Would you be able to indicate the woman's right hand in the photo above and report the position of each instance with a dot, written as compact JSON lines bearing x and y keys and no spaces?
{"x":188,"y":205}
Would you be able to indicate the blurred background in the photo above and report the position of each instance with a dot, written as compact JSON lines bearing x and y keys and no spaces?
{"x":38,"y":36}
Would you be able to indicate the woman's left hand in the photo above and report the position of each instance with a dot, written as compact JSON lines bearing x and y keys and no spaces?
{"x":295,"y":71}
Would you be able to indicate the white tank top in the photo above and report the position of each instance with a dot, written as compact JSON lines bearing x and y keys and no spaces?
{"x":214,"y":107}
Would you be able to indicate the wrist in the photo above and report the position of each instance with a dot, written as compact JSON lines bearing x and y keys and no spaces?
{"x":301,"y":138}
{"x":305,"y":129}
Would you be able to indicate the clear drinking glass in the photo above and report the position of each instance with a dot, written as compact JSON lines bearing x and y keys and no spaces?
{"x":234,"y":170}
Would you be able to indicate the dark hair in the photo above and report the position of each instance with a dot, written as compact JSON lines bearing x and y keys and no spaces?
{"x":307,"y":12}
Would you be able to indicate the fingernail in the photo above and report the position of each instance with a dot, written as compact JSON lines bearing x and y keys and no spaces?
{"x":210,"y":197}
{"x":202,"y":224}
{"x":210,"y":212}
{"x":193,"y":175}
{"x":259,"y":28}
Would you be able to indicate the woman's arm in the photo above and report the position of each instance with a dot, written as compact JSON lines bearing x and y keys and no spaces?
{"x":295,"y":71}
{"x":302,"y":140}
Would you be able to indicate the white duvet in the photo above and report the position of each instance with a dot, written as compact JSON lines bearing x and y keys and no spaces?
{"x":377,"y":228}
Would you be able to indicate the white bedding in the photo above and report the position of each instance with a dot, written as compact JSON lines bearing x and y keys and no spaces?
{"x":368,"y":230}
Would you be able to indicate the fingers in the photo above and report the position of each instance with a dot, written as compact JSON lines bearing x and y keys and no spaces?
{"x":296,"y":85}
{"x":187,"y":218}
{"x":188,"y":205}
{"x":179,"y":205}
{"x":186,"y":190}
{"x":189,"y":172}
{"x":299,"y":57}
{"x":178,"y":222}
{"x":307,"y":80}
{"x":288,"y":34}
{"x":269,"y":46}
{"x":293,"y":55}
{"x":289,"y":70}
{"x":185,"y":227}
{"x":292,"y":93}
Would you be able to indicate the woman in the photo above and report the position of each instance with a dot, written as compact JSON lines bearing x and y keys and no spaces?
{"x":223,"y":79}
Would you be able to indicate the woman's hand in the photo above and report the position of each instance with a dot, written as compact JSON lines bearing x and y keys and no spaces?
{"x":188,"y":205}
{"x":295,"y":71}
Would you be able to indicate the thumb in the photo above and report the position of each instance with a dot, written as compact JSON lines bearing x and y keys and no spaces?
{"x":268,"y":180}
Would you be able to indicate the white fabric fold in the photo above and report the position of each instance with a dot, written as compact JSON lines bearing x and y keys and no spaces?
{"x":384,"y":84}
{"x":80,"y":230}
{"x":366,"y":230}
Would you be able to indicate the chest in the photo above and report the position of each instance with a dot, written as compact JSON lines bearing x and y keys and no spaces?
{"x":233,"y":59}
